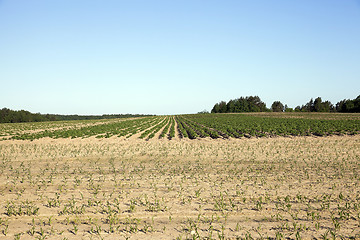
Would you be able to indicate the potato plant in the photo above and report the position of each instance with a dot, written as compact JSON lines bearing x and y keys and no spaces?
{"x":192,"y":126}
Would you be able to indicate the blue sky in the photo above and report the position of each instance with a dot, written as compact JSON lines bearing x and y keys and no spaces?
{"x":173,"y":57}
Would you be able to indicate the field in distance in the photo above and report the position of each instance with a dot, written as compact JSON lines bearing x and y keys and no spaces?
{"x":192,"y":126}
{"x":210,"y":176}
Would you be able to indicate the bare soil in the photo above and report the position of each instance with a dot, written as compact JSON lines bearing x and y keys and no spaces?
{"x":120,"y":188}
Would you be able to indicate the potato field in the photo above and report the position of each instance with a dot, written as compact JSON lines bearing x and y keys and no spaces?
{"x":200,"y":176}
{"x":192,"y":126}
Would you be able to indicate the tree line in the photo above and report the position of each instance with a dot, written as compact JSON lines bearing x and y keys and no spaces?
{"x":94,"y":117}
{"x":254,"y":104}
{"x":13,"y":116}
{"x":242,"y":104}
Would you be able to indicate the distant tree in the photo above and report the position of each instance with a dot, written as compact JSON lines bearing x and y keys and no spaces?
{"x":219,"y":107}
{"x":287,"y":109}
{"x":357,"y":104}
{"x":203,"y":112}
{"x":223,"y":107}
{"x":241,"y":105}
{"x":339,"y":105}
{"x":255,"y":104}
{"x":320,"y":106}
{"x":216,"y":108}
{"x":309,"y":107}
{"x":231,"y":106}
{"x":3,"y":113}
{"x":247,"y":104}
{"x":317,"y":107}
{"x":11,"y":116}
{"x":349,"y":106}
{"x":328,"y":106}
{"x":277,"y":106}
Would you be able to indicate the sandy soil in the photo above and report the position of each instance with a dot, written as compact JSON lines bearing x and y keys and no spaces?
{"x":13,"y":129}
{"x":120,"y":188}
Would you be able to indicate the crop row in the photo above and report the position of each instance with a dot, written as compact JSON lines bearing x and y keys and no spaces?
{"x":195,"y":126}
{"x":120,"y":128}
{"x":191,"y":129}
{"x":239,"y":125}
{"x":168,"y":129}
{"x":141,"y":127}
{"x":147,"y":126}
{"x":172,"y":129}
{"x":150,"y":133}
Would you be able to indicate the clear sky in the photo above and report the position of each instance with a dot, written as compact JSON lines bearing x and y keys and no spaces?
{"x":172,"y":56}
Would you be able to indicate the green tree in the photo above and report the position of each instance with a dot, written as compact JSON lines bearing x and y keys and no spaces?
{"x":317,"y":107}
{"x":223,"y":107}
{"x":241,"y":105}
{"x":256,"y":105}
{"x":231,"y":106}
{"x":348,"y":105}
{"x":216,"y":108}
{"x":287,"y":109}
{"x":277,"y":106}
{"x":357,"y":104}
{"x":309,"y":107}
